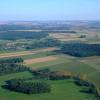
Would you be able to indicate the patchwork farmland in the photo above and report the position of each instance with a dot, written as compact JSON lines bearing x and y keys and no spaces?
{"x":44,"y":58}
{"x":40,"y":59}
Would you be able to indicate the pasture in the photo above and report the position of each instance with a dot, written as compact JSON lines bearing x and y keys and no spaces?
{"x":89,"y":66}
{"x":61,"y":89}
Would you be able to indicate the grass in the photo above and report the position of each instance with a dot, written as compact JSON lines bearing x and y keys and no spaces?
{"x":95,"y":77}
{"x":93,"y":40}
{"x":89,"y":67}
{"x":61,"y":90}
{"x":92,"y":61}
{"x":32,"y":56}
{"x":74,"y":67}
{"x":66,"y":63}
{"x":61,"y":59}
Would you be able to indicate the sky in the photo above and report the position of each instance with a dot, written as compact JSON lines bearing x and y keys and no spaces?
{"x":29,"y":10}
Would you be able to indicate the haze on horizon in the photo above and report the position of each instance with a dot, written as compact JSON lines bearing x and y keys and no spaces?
{"x":49,"y":10}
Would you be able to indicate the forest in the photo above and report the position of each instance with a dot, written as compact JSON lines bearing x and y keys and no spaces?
{"x":81,"y":49}
{"x":14,"y":35}
{"x":45,"y":42}
{"x":19,"y":85}
{"x":11,"y":65}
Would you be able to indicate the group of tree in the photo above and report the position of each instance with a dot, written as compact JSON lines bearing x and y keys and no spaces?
{"x":51,"y":75}
{"x":14,"y":35}
{"x":80,"y":49}
{"x":62,"y":75}
{"x":7,"y":27}
{"x":60,"y":31}
{"x":11,"y":65}
{"x":91,"y":87}
{"x":20,"y":85}
{"x":30,"y":44}
{"x":12,"y":60}
{"x":45,"y":42}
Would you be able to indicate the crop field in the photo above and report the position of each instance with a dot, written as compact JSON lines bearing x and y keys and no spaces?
{"x":62,"y":89}
{"x":38,"y":60}
{"x":22,"y":53}
{"x":89,"y":66}
{"x":66,"y":37}
{"x":94,"y":62}
{"x":90,"y":37}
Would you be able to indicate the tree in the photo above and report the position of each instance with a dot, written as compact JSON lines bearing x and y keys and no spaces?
{"x":20,"y":85}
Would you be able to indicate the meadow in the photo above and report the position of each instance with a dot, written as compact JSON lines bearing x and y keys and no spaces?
{"x":61,"y":89}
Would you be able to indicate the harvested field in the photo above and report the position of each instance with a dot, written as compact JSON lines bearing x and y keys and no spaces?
{"x":15,"y":54}
{"x":65,"y":37}
{"x":26,"y":52}
{"x":38,"y":60}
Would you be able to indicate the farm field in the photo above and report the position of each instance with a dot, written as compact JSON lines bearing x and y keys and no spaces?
{"x":39,"y":60}
{"x":89,"y":66}
{"x":22,"y":53}
{"x":66,"y":37}
{"x":88,"y":37}
{"x":77,"y":66}
{"x":94,"y":62}
{"x":46,"y":58}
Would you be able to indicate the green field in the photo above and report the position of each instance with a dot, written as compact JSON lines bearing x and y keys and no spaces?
{"x":90,"y":67}
{"x":38,"y":55}
{"x":62,"y":89}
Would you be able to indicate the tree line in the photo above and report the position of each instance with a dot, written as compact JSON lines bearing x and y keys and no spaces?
{"x":12,"y":60}
{"x":80,"y":49}
{"x":11,"y":65}
{"x":14,"y":35}
{"x":35,"y":43}
{"x":45,"y":42}
{"x":62,"y":75}
{"x":20,"y":85}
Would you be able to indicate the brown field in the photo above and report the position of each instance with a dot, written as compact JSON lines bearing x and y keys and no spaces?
{"x":65,"y":37}
{"x":26,"y":52}
{"x":38,"y":60}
